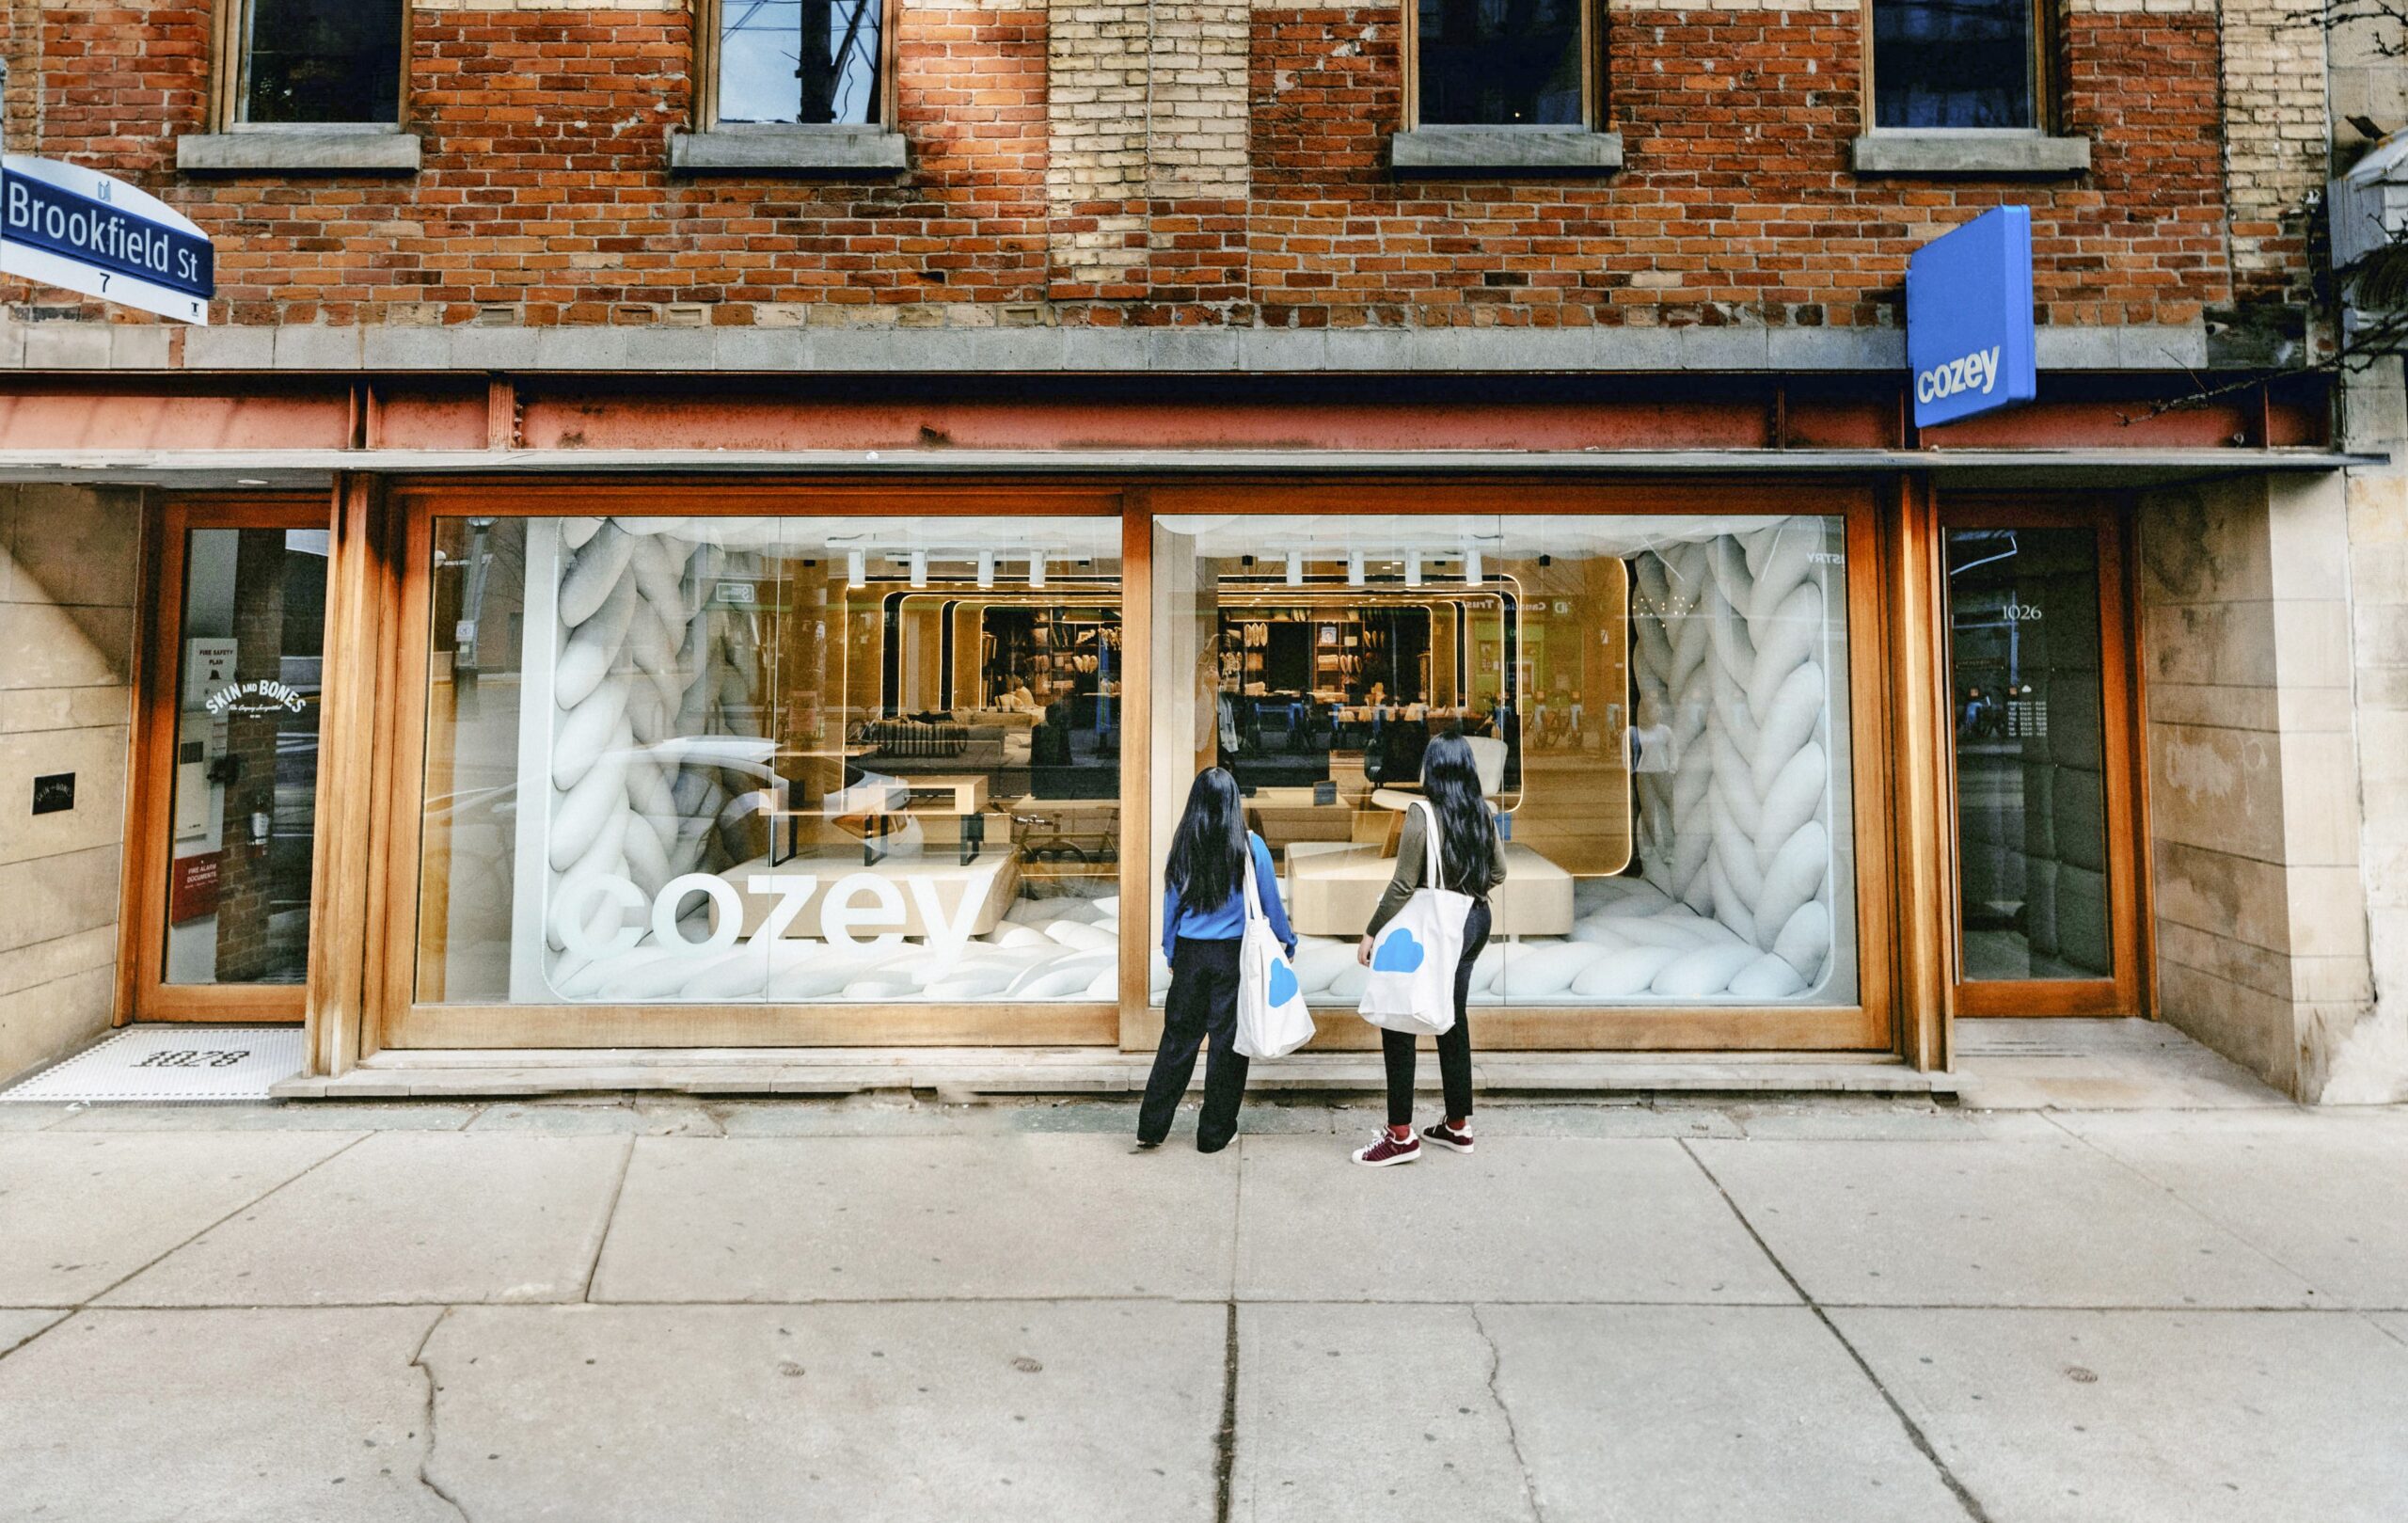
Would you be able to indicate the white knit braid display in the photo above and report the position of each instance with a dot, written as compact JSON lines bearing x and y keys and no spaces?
{"x":1727,"y":636}
{"x":645,"y":673}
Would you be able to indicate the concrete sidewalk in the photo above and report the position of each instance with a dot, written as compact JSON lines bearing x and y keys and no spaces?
{"x":679,"y":1311}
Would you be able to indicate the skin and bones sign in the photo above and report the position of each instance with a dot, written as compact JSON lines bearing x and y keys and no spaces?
{"x":76,"y":228}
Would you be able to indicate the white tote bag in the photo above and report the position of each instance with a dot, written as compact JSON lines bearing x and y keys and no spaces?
{"x":1412,"y":986}
{"x":1272,"y":1018}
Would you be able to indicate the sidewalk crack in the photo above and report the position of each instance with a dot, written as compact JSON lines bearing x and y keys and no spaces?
{"x":1512,"y":1434}
{"x":426,"y":1449}
{"x":1973,"y":1507}
{"x":1224,"y":1438}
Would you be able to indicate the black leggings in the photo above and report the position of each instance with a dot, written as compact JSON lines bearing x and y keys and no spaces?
{"x":1455,"y":1046}
{"x":1203,"y":1004}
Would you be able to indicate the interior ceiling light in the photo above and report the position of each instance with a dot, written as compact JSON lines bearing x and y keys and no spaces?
{"x":986,"y":568}
{"x":919,"y":568}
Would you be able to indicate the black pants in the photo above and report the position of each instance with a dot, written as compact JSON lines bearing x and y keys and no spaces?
{"x":1203,"y":1003}
{"x":1454,"y":1048}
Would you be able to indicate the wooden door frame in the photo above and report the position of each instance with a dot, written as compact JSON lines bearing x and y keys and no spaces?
{"x":142,"y":992}
{"x":2123,"y":767}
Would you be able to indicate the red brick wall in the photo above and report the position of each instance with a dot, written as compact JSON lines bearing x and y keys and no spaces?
{"x":1737,"y":199}
{"x":543,"y":191}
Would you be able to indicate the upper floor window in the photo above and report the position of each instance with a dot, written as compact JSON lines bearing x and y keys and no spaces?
{"x":1504,"y":63}
{"x":801,"y":62}
{"x":305,"y":61}
{"x":1956,"y":63}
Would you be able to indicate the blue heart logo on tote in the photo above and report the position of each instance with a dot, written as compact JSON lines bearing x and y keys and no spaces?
{"x":1400,"y":953}
{"x":1283,"y":982}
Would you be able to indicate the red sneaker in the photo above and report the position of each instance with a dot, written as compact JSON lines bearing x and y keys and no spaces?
{"x":1447,"y":1136}
{"x":1387,"y":1150}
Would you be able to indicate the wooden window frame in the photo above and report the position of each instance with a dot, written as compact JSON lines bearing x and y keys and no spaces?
{"x":394,"y":1017}
{"x":1898,"y":1007}
{"x":1593,"y":30}
{"x":2045,"y":80}
{"x":706,"y":71}
{"x":1873,"y":1022}
{"x":2125,"y":992}
{"x":143,"y":992}
{"x":230,"y":26}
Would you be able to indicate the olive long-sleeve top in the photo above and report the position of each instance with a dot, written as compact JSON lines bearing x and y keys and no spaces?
{"x":1411,"y":852}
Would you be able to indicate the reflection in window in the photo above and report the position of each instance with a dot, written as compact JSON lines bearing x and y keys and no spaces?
{"x":1659,"y":706}
{"x":800,"y":61}
{"x":246,"y":785}
{"x":1501,"y":62}
{"x":2031,"y":752}
{"x":1953,"y":63}
{"x":322,"y":60}
{"x":791,"y":760}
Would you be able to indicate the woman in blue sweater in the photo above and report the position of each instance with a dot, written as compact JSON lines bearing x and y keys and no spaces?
{"x":1203,"y":920}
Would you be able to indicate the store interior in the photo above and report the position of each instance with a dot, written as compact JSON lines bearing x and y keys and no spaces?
{"x":852,"y":760}
{"x":1657,"y":705}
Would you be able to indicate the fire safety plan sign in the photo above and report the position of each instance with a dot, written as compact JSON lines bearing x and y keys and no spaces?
{"x":76,"y":228}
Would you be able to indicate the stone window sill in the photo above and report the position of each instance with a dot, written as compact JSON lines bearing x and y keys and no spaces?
{"x":1940,"y":153}
{"x":795,"y":150}
{"x":299,"y":150}
{"x":1504,"y":151}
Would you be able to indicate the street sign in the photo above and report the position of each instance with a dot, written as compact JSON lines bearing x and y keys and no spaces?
{"x":1969,"y":319}
{"x":79,"y":229}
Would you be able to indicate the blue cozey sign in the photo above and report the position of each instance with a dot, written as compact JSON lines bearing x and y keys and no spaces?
{"x":66,"y":225}
{"x":1969,"y":319}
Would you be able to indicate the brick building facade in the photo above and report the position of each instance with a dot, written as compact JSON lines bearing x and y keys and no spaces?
{"x":1179,"y":261}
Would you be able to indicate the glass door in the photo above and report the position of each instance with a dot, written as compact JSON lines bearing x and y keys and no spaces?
{"x":231,"y":762}
{"x":2041,"y":763}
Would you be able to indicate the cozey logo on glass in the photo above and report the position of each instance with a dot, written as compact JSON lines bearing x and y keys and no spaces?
{"x":1969,"y":319}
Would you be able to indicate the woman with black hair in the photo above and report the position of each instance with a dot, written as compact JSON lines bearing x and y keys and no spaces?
{"x":1203,"y":924}
{"x":1471,"y":861}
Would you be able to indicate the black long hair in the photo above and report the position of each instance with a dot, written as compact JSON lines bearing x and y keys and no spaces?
{"x":1208,"y":851}
{"x":1466,"y":830}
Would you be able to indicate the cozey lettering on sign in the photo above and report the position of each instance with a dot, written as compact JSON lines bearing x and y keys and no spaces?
{"x":1976,"y":372}
{"x":842,"y":915}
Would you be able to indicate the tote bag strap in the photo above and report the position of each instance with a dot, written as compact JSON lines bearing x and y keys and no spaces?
{"x":1254,"y":909}
{"x":1435,"y":871}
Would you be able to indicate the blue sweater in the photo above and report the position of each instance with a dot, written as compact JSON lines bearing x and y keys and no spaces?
{"x":1227,"y":922}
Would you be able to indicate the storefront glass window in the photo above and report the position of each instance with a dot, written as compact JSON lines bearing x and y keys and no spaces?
{"x":1658,"y":704}
{"x":245,"y":793}
{"x":772,"y":759}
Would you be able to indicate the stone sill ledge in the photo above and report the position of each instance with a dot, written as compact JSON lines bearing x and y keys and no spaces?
{"x":1907,"y":152}
{"x":300,"y":151}
{"x":800,"y":150}
{"x":1504,"y":151}
{"x":966,"y":1075}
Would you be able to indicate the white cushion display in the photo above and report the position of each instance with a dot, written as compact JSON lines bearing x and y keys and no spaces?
{"x":1537,"y":971}
{"x":1623,"y":972}
{"x":1768,"y":978}
{"x":1706,"y":971}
